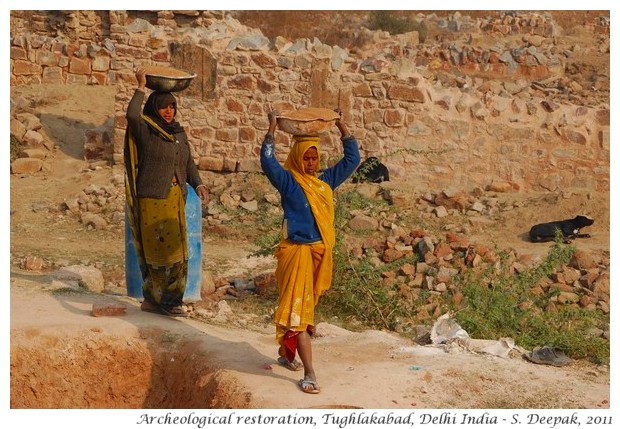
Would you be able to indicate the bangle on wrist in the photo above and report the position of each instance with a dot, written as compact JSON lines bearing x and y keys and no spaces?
{"x":204,"y":186}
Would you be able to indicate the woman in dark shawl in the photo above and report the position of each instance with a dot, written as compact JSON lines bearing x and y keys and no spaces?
{"x":159,"y":166}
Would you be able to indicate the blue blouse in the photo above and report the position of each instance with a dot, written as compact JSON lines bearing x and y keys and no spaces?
{"x":301,"y":226}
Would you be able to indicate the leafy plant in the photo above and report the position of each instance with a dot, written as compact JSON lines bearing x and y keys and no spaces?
{"x":362,"y":172}
{"x":395,"y":23}
{"x":346,"y":203}
{"x":497,"y":302}
{"x":267,"y":242}
{"x":505,"y":305}
{"x":357,"y":293}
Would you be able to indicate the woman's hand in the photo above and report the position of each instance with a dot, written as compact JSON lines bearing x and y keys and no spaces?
{"x":340,"y":123}
{"x":141,"y":78}
{"x":272,"y":116}
{"x":203,"y":194}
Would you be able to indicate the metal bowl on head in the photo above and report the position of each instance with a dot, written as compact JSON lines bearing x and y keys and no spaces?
{"x":164,"y":79}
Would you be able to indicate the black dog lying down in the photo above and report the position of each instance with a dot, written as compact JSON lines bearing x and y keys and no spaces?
{"x":371,"y":170}
{"x":569,"y":228}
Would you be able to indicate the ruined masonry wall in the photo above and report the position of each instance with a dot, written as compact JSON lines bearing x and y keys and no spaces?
{"x":427,"y":134}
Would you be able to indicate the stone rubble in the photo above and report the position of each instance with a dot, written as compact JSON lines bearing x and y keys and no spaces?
{"x":583,"y":283}
{"x":533,"y":49}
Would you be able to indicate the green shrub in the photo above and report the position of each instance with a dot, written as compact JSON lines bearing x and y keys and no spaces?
{"x":394,"y":23}
{"x":357,"y":294}
{"x":267,"y":242}
{"x":502,"y":305}
{"x":497,"y":302}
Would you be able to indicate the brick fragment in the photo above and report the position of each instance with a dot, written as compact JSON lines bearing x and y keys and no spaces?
{"x":102,"y":310}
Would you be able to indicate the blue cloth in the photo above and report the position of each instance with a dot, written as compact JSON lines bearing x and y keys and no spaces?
{"x":301,"y":226}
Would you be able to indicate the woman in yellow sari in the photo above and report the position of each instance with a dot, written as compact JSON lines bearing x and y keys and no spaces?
{"x":305,"y":253}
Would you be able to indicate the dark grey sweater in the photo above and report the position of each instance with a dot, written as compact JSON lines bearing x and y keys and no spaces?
{"x":159,"y":160}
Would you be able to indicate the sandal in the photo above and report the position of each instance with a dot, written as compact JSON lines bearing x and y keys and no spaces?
{"x":151,"y":307}
{"x":548,"y":355}
{"x":308,"y":385}
{"x":295,"y":365}
{"x":175,"y":311}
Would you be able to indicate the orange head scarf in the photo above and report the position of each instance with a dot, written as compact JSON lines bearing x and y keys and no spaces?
{"x":320,"y":195}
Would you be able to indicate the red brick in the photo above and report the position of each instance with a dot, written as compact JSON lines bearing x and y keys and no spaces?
{"x":406,"y":93}
{"x":101,"y":310}
{"x":79,"y":66}
{"x":21,"y":67}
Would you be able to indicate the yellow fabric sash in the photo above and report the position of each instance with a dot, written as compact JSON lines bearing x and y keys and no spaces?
{"x":320,"y":196}
{"x":163,"y":226}
{"x":321,"y":199}
{"x":304,"y":271}
{"x":131,"y":196}
{"x":300,"y":276}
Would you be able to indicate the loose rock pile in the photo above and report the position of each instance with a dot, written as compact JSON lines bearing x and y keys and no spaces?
{"x":30,"y":145}
{"x":373,"y":233}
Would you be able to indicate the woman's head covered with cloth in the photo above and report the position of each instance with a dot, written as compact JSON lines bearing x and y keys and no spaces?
{"x":295,"y":160}
{"x":159,"y":100}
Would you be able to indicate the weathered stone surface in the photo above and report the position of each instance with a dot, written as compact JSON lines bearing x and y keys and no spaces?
{"x":26,"y":165}
{"x":406,"y":93}
{"x":88,"y":277}
{"x":94,"y":220}
{"x":582,"y":260}
{"x":362,"y":222}
{"x":33,"y":263}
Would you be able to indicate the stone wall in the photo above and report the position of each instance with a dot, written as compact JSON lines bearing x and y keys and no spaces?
{"x":439,"y":114}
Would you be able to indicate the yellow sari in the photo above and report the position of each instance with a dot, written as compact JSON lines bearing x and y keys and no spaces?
{"x":304,"y":271}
